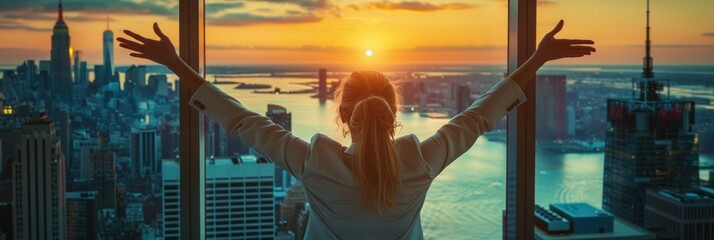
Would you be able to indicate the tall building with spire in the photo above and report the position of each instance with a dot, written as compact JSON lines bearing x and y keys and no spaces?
{"x":108,"y":50}
{"x":39,"y":182}
{"x":650,"y":144}
{"x":60,"y":70}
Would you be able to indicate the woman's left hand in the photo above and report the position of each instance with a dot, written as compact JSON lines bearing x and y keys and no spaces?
{"x":161,"y":51}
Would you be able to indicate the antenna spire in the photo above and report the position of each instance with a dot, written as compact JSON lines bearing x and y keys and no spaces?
{"x":107,"y":22}
{"x":647,"y":70}
{"x":59,"y":12}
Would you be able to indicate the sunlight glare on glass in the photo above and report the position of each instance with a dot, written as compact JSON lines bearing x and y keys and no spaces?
{"x":368,"y":53}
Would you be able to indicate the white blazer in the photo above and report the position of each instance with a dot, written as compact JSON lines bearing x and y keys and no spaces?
{"x":321,"y":165}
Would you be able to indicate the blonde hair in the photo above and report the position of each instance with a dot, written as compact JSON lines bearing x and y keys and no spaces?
{"x":372,"y":101}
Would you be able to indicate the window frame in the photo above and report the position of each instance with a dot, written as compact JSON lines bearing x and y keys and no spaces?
{"x":520,"y":141}
{"x":191,"y":152}
{"x":520,"y":147}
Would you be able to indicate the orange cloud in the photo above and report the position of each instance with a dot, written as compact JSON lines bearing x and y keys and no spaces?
{"x":411,"y":6}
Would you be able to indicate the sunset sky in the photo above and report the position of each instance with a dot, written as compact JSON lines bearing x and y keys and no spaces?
{"x":340,"y":31}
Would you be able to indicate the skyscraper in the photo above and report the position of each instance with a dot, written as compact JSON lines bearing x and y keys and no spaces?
{"x":82,"y":222}
{"x":145,"y":151}
{"x":172,"y":200}
{"x":322,"y":85}
{"x":60,"y":71}
{"x":76,"y":66}
{"x":104,"y":177}
{"x":83,"y":73}
{"x":239,"y":199}
{"x":39,"y":182}
{"x":280,"y":115}
{"x":650,"y":144}
{"x":136,"y":75}
{"x":551,"y":93}
{"x":108,"y":50}
{"x":99,"y":79}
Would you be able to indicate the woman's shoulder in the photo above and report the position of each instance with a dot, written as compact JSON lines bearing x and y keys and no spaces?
{"x":408,"y":143}
{"x":320,"y":140}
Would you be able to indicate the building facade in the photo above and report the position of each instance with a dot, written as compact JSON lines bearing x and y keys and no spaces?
{"x":145,"y":151}
{"x":239,"y":199}
{"x":39,"y":182}
{"x":104,"y":177}
{"x":682,"y":213}
{"x":551,"y":107}
{"x":82,"y":220}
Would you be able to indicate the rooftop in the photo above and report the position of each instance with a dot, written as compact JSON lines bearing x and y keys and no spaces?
{"x":701,"y":194}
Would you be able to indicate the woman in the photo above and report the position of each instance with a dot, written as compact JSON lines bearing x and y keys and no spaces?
{"x":375,"y":188}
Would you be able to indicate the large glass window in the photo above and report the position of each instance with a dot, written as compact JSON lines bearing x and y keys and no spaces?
{"x":104,"y":150}
{"x":272,"y":57}
{"x":611,"y":126}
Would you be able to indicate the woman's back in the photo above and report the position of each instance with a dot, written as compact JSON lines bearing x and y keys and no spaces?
{"x":335,"y":196}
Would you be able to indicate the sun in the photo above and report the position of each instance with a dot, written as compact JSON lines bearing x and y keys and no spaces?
{"x":368,"y":53}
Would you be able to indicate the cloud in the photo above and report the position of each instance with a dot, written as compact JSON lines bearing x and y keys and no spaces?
{"x":213,"y":8}
{"x":234,"y":13}
{"x":242,"y":19}
{"x":7,"y":25}
{"x":416,"y":6}
{"x":305,"y":4}
{"x":306,"y":11}
{"x":544,"y":3}
{"x":708,"y":34}
{"x":541,"y":3}
{"x":47,"y":9}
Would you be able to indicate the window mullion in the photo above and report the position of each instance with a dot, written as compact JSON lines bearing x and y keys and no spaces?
{"x":520,"y":154}
{"x":191,"y":32}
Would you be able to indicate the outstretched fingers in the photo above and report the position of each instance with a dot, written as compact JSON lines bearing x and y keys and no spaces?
{"x":139,"y":55}
{"x":557,"y":28}
{"x":158,"y":32}
{"x":582,"y":48}
{"x":137,"y":36}
{"x":132,"y":47}
{"x":129,"y":42}
{"x":578,"y":41}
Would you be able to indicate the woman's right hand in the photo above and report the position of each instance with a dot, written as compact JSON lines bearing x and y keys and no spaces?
{"x":161,"y":51}
{"x":551,"y":48}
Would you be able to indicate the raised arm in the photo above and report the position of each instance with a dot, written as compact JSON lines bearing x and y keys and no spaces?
{"x":458,"y":135}
{"x":255,"y":130}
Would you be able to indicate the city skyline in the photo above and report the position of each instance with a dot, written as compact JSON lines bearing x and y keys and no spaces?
{"x":324,"y":31}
